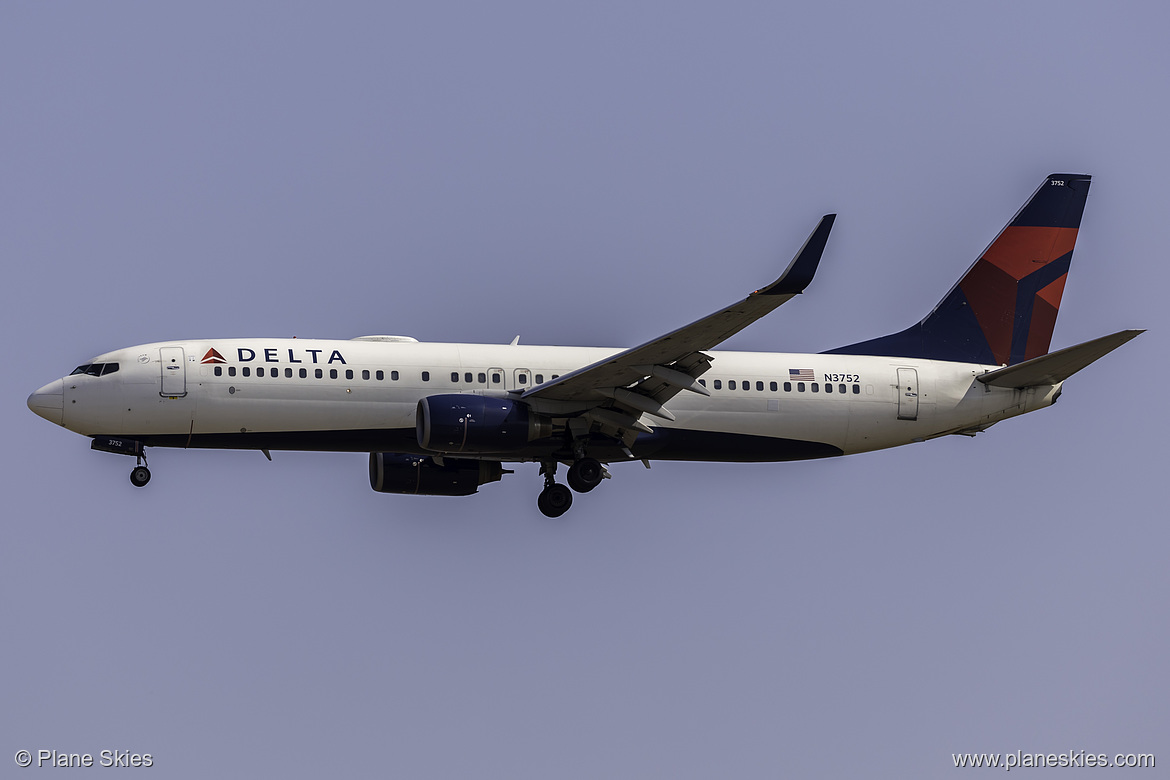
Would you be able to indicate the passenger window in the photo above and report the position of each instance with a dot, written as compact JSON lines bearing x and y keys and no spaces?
{"x":481,"y":377}
{"x":349,"y":373}
{"x":231,"y":370}
{"x":318,"y":373}
{"x":522,"y":379}
{"x":304,"y":372}
{"x":555,"y":377}
{"x":718,"y":385}
{"x":828,"y":387}
{"x":455,"y":377}
{"x":857,"y":389}
{"x":288,"y":373}
{"x":495,"y":378}
{"x":426,"y":376}
{"x":219,"y":370}
{"x":380,"y":374}
{"x":841,"y":389}
{"x":365,"y":373}
{"x":730,"y":384}
{"x":333,"y":373}
{"x":815,"y":387}
{"x":703,"y":382}
{"x":393,"y":376}
{"x":800,"y":387}
{"x":772,"y":386}
{"x":245,"y":371}
{"x":788,"y":387}
{"x":540,"y":379}
{"x":260,"y":371}
{"x":467,"y":377}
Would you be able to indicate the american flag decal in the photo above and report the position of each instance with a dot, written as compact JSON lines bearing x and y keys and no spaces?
{"x":801,"y":374}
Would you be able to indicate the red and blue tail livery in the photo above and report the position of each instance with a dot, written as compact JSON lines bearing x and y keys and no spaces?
{"x":1004,"y":308}
{"x":444,"y":419}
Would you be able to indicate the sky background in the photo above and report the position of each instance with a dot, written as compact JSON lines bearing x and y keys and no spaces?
{"x":587,"y":174}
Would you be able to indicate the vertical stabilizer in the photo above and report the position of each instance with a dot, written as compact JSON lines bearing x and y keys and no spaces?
{"x":1003,"y":310}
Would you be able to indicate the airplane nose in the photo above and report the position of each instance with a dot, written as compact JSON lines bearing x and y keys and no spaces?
{"x":49,"y":401}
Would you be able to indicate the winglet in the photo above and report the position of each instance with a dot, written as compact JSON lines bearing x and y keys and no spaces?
{"x":675,"y":360}
{"x":802,"y":268}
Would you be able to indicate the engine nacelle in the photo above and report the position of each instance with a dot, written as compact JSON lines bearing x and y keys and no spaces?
{"x":474,"y":423}
{"x":393,"y":472}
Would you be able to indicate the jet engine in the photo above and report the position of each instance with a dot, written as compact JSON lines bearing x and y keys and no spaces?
{"x":474,"y":423}
{"x":393,"y":472}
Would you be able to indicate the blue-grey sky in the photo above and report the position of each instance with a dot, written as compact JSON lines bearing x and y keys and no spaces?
{"x":593,"y":174}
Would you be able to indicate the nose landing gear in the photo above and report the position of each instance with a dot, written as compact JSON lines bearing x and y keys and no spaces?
{"x":140,"y":474}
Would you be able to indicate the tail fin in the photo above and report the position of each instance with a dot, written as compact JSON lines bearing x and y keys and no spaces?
{"x":1003,"y":310}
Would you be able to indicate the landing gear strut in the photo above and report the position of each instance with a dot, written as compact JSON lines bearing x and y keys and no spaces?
{"x":555,"y":499}
{"x":140,"y":474}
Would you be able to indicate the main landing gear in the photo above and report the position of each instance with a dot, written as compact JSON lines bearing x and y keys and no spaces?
{"x":555,"y":499}
{"x":584,"y":475}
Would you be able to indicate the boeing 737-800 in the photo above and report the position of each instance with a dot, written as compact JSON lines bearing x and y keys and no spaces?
{"x":444,"y":419}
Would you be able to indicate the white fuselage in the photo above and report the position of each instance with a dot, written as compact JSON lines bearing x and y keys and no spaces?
{"x":344,"y":395}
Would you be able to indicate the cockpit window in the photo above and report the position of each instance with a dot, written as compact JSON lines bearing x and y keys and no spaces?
{"x":95,"y":369}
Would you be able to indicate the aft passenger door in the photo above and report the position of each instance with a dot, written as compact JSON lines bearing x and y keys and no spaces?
{"x":907,"y":394}
{"x":173,"y":365}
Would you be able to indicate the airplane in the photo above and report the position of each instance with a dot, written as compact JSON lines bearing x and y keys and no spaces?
{"x":444,"y":418}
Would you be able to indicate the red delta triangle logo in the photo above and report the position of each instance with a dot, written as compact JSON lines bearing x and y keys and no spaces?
{"x":212,"y":357}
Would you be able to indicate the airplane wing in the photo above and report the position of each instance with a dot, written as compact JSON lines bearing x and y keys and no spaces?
{"x":641,"y":379}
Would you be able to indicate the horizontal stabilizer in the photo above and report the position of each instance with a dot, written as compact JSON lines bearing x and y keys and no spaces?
{"x":1057,"y":366}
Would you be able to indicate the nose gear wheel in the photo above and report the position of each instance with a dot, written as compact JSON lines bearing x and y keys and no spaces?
{"x":139,"y":476}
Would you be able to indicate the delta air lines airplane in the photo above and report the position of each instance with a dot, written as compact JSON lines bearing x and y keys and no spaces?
{"x":444,"y":419}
